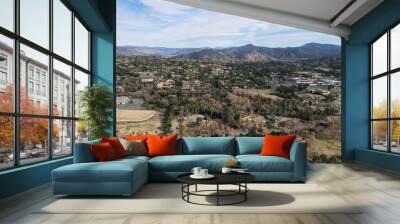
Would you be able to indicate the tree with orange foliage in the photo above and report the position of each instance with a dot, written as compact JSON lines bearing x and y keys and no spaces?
{"x":380,"y":127}
{"x":33,"y":131}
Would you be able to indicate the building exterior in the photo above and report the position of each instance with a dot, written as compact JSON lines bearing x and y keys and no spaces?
{"x":34,"y":80}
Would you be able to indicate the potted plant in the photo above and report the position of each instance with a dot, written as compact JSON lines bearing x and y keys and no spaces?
{"x":97,"y":104}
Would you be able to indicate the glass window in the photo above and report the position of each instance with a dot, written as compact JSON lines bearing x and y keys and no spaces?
{"x":33,"y":139}
{"x":81,"y":131}
{"x":388,"y":81}
{"x":34,"y":80}
{"x":3,"y":61}
{"x":38,"y":89}
{"x":30,"y":71}
{"x":44,"y":91}
{"x":40,"y":62}
{"x":395,"y":95}
{"x":62,"y":29}
{"x":379,"y":133}
{"x":395,"y":138}
{"x":62,"y":138}
{"x":6,"y":142}
{"x":379,"y":56}
{"x":7,"y":14}
{"x":34,"y":21}
{"x":30,"y":87}
{"x":62,"y":72}
{"x":379,"y":98}
{"x":81,"y":45}
{"x":395,"y":47}
{"x":6,"y":75}
{"x":81,"y":82}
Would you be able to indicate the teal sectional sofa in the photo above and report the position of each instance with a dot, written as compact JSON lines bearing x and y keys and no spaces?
{"x":125,"y":176}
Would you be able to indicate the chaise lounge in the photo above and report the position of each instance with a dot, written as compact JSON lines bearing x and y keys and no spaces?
{"x":125,"y":176}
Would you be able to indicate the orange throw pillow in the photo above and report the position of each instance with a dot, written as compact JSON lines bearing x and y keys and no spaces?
{"x":103,"y":152}
{"x":161,"y":145}
{"x":275,"y":145}
{"x":116,"y":145}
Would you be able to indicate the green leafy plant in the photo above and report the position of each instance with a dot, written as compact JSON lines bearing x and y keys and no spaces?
{"x":97,"y":103}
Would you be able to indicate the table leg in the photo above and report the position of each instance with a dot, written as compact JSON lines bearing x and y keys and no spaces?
{"x":195,"y":188}
{"x":217,"y":194}
{"x":245,"y":193}
{"x":188,"y":189}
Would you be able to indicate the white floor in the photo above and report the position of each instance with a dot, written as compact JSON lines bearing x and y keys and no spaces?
{"x":377,"y":190}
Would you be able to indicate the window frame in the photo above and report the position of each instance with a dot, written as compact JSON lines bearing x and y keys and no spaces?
{"x":388,"y":74}
{"x":16,"y":114}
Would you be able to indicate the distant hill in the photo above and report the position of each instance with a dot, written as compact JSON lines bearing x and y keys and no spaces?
{"x":154,"y":51}
{"x":247,"y":52}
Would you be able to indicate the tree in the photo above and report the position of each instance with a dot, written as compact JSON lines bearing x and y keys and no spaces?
{"x":97,"y":103}
{"x":166,"y":123}
{"x":33,"y":131}
{"x":230,"y":116}
{"x":380,"y":127}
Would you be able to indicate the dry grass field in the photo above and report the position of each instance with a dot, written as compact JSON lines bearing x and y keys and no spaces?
{"x":257,"y":92}
{"x":138,"y":122}
{"x":124,"y":115}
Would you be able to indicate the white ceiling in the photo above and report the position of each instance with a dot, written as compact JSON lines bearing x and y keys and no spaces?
{"x":314,"y":15}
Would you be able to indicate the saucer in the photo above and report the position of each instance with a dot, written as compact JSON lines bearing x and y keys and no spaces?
{"x":208,"y":176}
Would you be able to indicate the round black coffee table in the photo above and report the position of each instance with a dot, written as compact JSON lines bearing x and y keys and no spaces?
{"x":238,"y":179}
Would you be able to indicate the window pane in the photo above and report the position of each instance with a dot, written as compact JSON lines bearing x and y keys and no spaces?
{"x":33,"y":139}
{"x":379,"y":55}
{"x":35,"y":21}
{"x":7,"y":14}
{"x":81,"y":82}
{"x":62,"y":89}
{"x":6,"y":142}
{"x":6,"y":75}
{"x":395,"y":136}
{"x":395,"y":94}
{"x":81,"y":45}
{"x":81,"y":131}
{"x":34,"y":97}
{"x":379,"y":135}
{"x":379,"y":97}
{"x":62,"y":29}
{"x":62,"y":138}
{"x":395,"y":47}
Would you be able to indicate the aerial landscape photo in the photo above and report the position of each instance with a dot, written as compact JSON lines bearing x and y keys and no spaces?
{"x":257,"y":78}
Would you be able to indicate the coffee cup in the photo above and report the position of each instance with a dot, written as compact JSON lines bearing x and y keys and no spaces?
{"x":203,"y":172}
{"x":196,"y":171}
{"x":226,"y":170}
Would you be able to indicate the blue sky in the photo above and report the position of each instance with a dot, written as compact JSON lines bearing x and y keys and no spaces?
{"x":159,"y":23}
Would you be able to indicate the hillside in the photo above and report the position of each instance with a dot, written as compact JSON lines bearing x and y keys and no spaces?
{"x":247,"y":52}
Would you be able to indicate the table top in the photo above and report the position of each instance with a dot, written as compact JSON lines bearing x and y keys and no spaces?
{"x":220,"y":178}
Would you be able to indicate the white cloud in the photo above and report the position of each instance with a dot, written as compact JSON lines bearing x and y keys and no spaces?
{"x":162,"y":23}
{"x":162,"y":7}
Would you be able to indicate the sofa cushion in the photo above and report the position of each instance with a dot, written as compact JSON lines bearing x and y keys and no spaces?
{"x":249,"y":145}
{"x":133,"y":157}
{"x":83,"y":153}
{"x":134,"y":147}
{"x":161,"y":145}
{"x":116,"y":145}
{"x":207,"y":145}
{"x":257,"y":163}
{"x":277,"y":145}
{"x":112,"y":171}
{"x":185,"y":163}
{"x":103,"y":152}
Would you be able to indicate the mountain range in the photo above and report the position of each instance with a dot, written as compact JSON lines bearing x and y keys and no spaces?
{"x":247,"y":52}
